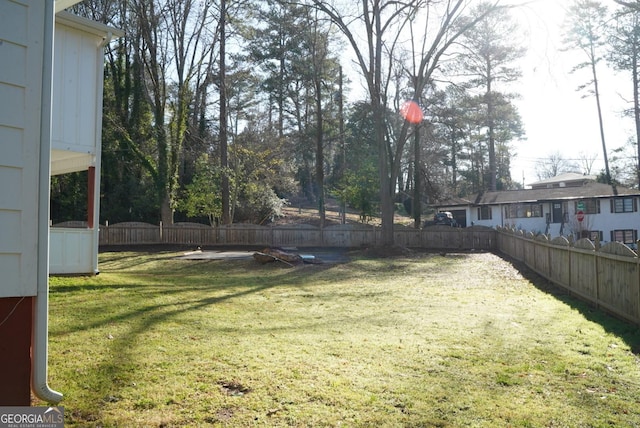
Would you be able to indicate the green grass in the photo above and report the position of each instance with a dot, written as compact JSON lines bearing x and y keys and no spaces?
{"x":455,"y":341}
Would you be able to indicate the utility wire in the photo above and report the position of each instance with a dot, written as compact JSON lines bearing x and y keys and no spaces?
{"x":11,"y":313}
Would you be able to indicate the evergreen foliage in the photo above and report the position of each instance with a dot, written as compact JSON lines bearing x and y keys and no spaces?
{"x":294,"y":130}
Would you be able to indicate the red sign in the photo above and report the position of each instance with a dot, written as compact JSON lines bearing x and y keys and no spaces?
{"x":580,"y":215}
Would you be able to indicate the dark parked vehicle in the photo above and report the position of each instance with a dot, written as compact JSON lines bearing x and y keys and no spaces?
{"x":444,"y":218}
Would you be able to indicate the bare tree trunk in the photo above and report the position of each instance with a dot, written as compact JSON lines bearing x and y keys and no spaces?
{"x":386,"y":184}
{"x":281,"y":99}
{"x":343,"y":149}
{"x":493,"y":169}
{"x":149,"y":26}
{"x":417,"y":161}
{"x":454,"y":163}
{"x":319,"y":150}
{"x":636,"y":109}
{"x":224,"y":160}
{"x":586,"y":20}
{"x":601,"y":122}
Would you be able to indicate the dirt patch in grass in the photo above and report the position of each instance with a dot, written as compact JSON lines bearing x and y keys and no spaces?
{"x":234,"y":388}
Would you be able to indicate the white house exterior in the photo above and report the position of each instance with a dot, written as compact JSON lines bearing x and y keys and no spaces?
{"x":50,"y":122}
{"x":23,"y":91}
{"x":76,"y":132}
{"x":569,"y":204}
{"x":26,"y":52}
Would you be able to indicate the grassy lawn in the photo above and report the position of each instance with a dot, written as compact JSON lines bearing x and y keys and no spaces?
{"x":425,"y":340}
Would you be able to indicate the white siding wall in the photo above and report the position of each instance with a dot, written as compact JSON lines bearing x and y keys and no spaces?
{"x":607,"y":221}
{"x":21,"y":56}
{"x":75,"y":94}
{"x":76,"y":130}
{"x":72,"y":251}
{"x":496,"y":217}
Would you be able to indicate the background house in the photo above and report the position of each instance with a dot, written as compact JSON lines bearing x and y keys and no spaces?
{"x":569,"y":204}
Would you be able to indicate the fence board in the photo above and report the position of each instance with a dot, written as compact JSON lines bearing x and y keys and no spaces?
{"x":541,"y":257}
{"x":560,"y":261}
{"x":584,"y":275}
{"x":130,"y":233}
{"x":615,"y":274}
{"x":349,"y":235}
{"x":189,"y":234}
{"x":529,"y":251}
{"x":302,"y":235}
{"x":408,"y":237}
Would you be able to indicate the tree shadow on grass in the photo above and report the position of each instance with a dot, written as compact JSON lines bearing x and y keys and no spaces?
{"x":119,"y":368}
{"x":611,"y":323}
{"x":106,"y":379}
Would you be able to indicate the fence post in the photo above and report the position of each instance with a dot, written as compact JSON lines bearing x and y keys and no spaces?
{"x":638,"y":271}
{"x":570,"y":275}
{"x":375,"y":238}
{"x":272,"y":236}
{"x":548,"y":249}
{"x":597,"y":256}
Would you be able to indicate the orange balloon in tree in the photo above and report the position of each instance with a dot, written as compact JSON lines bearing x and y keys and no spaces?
{"x":411,"y":112}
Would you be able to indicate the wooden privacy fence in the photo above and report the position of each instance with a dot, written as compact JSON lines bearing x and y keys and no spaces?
{"x":349,"y":236}
{"x":608,"y":277}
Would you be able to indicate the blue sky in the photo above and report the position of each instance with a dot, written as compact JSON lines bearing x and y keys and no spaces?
{"x":558,"y":118}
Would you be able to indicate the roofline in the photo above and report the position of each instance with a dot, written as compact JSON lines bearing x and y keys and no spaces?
{"x":567,"y":177}
{"x":64,"y":4}
{"x":541,"y":200}
{"x":87,"y":25}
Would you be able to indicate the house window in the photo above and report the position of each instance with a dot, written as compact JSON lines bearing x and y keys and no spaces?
{"x":592,"y":235}
{"x":624,"y":205}
{"x":626,"y":236}
{"x":484,"y":213}
{"x":589,"y":206}
{"x":595,"y":235}
{"x":523,"y":210}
